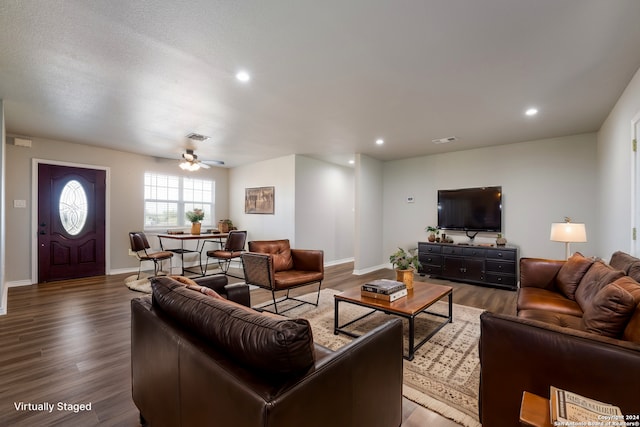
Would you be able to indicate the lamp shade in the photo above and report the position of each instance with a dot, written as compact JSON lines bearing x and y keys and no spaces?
{"x":568,"y":232}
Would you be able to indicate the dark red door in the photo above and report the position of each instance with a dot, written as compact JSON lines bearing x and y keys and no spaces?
{"x":71,"y":222}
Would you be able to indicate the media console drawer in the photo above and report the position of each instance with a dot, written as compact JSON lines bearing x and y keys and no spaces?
{"x":480,"y":265}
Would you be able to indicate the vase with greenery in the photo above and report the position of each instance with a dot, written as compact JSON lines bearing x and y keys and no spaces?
{"x":225,"y":225}
{"x":433,"y":232}
{"x":405,"y":264}
{"x":195,"y":216}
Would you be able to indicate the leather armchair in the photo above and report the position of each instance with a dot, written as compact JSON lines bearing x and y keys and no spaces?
{"x":273,"y":265}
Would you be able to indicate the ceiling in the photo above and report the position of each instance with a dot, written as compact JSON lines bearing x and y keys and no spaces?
{"x":328,"y":77}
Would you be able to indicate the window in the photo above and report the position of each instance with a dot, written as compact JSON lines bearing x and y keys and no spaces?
{"x":167,"y":198}
{"x":73,"y":208}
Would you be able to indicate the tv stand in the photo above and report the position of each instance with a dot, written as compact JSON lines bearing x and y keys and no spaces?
{"x":481,"y":265}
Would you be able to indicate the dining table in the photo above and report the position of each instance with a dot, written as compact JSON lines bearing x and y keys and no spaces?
{"x":178,"y":244}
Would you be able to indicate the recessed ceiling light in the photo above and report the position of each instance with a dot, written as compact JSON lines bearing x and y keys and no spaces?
{"x":379,"y":141}
{"x":351,"y":162}
{"x":243,"y":76}
{"x":531,"y":112}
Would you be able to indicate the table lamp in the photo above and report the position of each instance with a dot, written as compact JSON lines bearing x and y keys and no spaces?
{"x":568,"y":232}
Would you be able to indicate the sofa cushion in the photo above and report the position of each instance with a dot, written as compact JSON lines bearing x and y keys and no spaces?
{"x":596,"y":278}
{"x":610,"y":309}
{"x":558,"y":319}
{"x":632,"y":330}
{"x":263,"y":344}
{"x":571,"y":273}
{"x":542,"y":299}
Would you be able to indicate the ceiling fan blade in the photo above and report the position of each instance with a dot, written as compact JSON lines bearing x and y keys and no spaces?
{"x":214,"y":162}
{"x":204,"y":165}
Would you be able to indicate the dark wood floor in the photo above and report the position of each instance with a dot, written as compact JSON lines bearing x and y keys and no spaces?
{"x":69,"y":342}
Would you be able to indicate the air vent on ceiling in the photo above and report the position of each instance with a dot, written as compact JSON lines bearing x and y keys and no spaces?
{"x":444,"y":140}
{"x":197,"y":137}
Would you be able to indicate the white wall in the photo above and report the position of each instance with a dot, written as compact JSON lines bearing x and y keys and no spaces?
{"x":324,"y":217}
{"x":370,"y":220}
{"x":126,"y":195}
{"x":615,"y":173}
{"x":278,"y":173}
{"x":542,"y":182}
{"x":313,"y":204}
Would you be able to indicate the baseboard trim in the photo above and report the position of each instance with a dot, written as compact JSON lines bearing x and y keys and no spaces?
{"x":338,"y":262}
{"x":17,"y":283}
{"x":360,"y":272}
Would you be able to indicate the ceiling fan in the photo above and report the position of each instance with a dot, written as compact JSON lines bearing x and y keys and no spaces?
{"x":190,"y":161}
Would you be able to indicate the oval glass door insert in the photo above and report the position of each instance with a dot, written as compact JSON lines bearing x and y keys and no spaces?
{"x":73,"y":207}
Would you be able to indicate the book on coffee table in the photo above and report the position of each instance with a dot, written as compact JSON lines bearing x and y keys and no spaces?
{"x":383,"y":286}
{"x":384,"y":297}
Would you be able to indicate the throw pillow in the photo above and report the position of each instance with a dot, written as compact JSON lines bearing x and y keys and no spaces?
{"x":571,"y":273}
{"x":193,"y":285}
{"x":184,"y":280}
{"x":634,"y":271}
{"x":610,"y":310}
{"x":622,"y":261}
{"x":596,"y":278}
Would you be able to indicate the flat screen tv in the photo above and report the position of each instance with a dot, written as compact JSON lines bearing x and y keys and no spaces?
{"x":470,"y":209}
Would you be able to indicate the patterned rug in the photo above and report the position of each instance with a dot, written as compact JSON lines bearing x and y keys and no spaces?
{"x":445,"y":372}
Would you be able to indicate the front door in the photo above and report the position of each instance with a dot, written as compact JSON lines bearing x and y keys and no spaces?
{"x":71,"y":222}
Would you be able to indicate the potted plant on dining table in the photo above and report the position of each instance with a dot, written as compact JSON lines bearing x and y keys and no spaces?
{"x":405,"y":265}
{"x":195,"y":216}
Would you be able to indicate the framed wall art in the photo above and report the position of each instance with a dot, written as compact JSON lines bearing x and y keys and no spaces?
{"x":259,"y":200}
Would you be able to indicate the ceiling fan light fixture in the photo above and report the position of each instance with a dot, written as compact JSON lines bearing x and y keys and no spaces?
{"x":189,"y":166}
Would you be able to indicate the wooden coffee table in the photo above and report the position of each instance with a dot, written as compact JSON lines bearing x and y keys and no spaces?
{"x":417,"y":301}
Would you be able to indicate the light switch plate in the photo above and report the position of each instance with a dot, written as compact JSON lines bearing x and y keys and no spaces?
{"x":19,"y":203}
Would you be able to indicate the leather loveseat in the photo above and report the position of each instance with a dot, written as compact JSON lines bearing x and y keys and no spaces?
{"x":200,"y":360}
{"x":577,"y":328}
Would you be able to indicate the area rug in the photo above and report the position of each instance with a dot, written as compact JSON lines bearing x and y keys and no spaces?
{"x":141,"y":285}
{"x":445,"y":373}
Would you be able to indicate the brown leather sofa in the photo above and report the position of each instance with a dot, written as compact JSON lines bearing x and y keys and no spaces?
{"x":198,"y":359}
{"x":577,"y":328}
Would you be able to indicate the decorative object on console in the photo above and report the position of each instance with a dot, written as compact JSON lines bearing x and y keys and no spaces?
{"x":225,"y":225}
{"x":195,"y":216}
{"x":500,"y":241}
{"x":568,"y":232}
{"x":405,"y":265}
{"x":433,"y":232}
